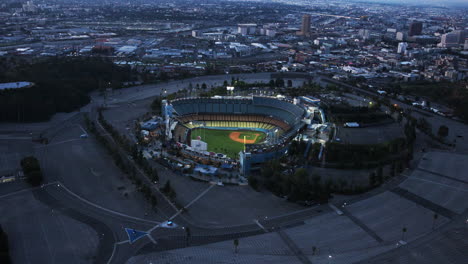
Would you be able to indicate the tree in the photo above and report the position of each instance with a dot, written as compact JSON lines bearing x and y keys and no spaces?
{"x":4,"y":248}
{"x":153,"y":201}
{"x":168,"y":190}
{"x":399,"y":118}
{"x":156,"y":105}
{"x":443,"y":131}
{"x":32,"y":170}
{"x":314,"y":250}
{"x":279,"y":82}
{"x":253,"y":182}
{"x":290,"y":83}
{"x":167,"y":187}
{"x":272,"y":84}
{"x":187,"y":235}
{"x":236,"y":244}
{"x":154,"y":175}
{"x":203,"y":86}
{"x":379,"y":176}
{"x":424,"y":125}
{"x":372,"y":179}
{"x":434,"y":218}
{"x":403,"y":231}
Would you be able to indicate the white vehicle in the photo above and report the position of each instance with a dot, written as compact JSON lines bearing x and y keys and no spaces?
{"x":381,"y":92}
{"x":351,"y":124}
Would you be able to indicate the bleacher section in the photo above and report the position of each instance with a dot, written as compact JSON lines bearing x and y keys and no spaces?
{"x":258,"y":106}
{"x":236,"y":124}
{"x":253,"y":121}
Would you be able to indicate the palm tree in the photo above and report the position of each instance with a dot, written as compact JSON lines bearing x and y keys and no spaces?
{"x":236,"y":244}
{"x":187,"y":235}
{"x":434,"y":220}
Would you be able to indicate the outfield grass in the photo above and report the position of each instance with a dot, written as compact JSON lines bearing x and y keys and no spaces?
{"x":219,"y":141}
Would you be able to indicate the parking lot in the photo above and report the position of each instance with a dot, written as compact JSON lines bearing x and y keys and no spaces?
{"x":39,"y":234}
{"x":370,"y":135}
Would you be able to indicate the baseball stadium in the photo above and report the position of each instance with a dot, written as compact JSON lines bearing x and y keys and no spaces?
{"x":247,"y":130}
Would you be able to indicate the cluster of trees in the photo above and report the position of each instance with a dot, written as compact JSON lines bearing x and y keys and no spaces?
{"x":131,"y":148}
{"x":61,"y":85}
{"x":32,"y":170}
{"x":4,"y":248}
{"x":453,"y":94}
{"x":364,"y":156}
{"x":296,"y":185}
{"x":168,"y":190}
{"x":426,"y":127}
{"x":378,"y":176}
{"x":127,"y":167}
{"x":365,"y":114}
{"x":156,"y":105}
{"x":307,"y":88}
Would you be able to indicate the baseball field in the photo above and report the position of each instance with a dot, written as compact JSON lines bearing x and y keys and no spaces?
{"x":228,"y":142}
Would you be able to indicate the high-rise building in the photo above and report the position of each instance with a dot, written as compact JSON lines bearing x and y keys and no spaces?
{"x":453,"y":39}
{"x":305,"y":27}
{"x":29,"y":7}
{"x":196,"y":33}
{"x":270,"y":32}
{"x":415,"y":28}
{"x":400,"y":36}
{"x":364,"y":33}
{"x":402,"y":47}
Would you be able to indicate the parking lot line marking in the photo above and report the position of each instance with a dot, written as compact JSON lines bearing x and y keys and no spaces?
{"x":64,"y":230}
{"x":442,"y":175}
{"x":82,"y":129}
{"x":437,"y":183}
{"x":260,"y":225}
{"x":58,"y":143}
{"x":153,"y":228}
{"x":199,"y":196}
{"x":122,"y":242}
{"x":334,"y":208}
{"x":105,"y":209}
{"x":113,"y":252}
{"x":192,"y":202}
{"x":26,"y":190}
{"x":47,"y":242}
{"x":152,"y":239}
